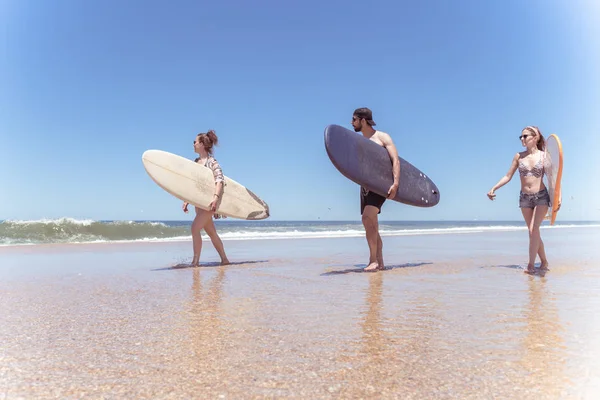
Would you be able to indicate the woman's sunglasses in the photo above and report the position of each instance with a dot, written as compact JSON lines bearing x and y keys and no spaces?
{"x":522,"y":137}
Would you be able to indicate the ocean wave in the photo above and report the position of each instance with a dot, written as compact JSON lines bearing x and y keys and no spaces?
{"x":59,"y":221}
{"x":70,"y":230}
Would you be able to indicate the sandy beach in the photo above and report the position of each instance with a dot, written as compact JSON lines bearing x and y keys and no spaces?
{"x":453,"y":316}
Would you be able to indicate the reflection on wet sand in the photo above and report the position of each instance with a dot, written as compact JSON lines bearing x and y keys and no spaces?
{"x":374,"y":341}
{"x":205,"y":310}
{"x":544,"y":352}
{"x":207,"y":337}
{"x":119,"y":327}
{"x":418,"y":345}
{"x":394,"y":352}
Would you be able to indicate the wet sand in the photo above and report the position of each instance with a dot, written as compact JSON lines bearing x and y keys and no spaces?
{"x":453,"y":316}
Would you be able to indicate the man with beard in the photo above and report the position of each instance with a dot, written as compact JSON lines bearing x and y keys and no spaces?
{"x":370,"y":202}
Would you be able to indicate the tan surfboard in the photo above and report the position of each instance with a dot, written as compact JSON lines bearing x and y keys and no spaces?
{"x":553,"y":168}
{"x":195,"y":183}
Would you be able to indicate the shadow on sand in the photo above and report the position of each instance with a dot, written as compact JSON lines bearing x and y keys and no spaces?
{"x":511,"y":266}
{"x":208,"y":265}
{"x":362,"y":270}
{"x":537,"y":270}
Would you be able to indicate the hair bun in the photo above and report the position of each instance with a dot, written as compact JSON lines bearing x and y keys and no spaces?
{"x":212,"y":136}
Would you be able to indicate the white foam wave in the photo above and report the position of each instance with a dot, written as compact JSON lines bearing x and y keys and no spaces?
{"x":145,"y":223}
{"x":57,"y":221}
{"x":249,"y":235}
{"x":80,"y":222}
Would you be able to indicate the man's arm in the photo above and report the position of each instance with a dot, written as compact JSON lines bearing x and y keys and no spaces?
{"x":388,"y":143}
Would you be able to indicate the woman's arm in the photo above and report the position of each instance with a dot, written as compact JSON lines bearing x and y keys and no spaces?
{"x":219,"y":179}
{"x":506,"y":178}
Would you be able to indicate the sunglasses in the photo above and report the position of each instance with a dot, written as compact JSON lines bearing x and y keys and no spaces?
{"x":522,"y":137}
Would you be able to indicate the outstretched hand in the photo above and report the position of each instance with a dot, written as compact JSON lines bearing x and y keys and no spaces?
{"x":491,"y":195}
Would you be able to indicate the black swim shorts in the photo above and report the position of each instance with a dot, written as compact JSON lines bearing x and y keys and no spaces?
{"x":368,"y":198}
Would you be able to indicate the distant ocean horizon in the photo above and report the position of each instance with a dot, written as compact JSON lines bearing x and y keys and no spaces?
{"x":71,"y":230}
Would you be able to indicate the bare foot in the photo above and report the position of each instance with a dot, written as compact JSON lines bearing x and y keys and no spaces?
{"x":544,"y":266}
{"x":225,"y":262}
{"x":530,"y":270}
{"x":374,"y":266}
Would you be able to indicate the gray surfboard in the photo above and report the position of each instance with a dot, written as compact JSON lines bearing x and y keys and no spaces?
{"x":368,"y":164}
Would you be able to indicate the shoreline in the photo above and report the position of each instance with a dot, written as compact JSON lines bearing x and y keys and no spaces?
{"x":313,"y":235}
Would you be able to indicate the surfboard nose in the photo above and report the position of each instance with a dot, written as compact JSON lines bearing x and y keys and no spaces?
{"x":149,"y":154}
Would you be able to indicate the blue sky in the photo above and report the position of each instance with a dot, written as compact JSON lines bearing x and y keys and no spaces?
{"x":87,"y":87}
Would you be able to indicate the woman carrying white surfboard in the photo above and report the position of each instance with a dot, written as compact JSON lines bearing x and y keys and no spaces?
{"x":203,"y":146}
{"x":534,"y":199}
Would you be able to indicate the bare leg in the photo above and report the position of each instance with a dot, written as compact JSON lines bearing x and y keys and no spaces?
{"x":369,"y":219}
{"x":542,"y":254}
{"x":211,"y":231}
{"x":380,"y":252}
{"x":528,"y":216}
{"x":536,"y":245}
{"x":202,"y":217}
{"x":533,"y":219}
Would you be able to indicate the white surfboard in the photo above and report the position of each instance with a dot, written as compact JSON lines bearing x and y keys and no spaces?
{"x":195,"y":183}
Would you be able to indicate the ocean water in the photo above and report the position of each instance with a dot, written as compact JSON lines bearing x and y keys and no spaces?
{"x":70,"y":230}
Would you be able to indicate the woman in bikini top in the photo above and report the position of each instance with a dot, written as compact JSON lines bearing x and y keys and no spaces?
{"x":534,"y":199}
{"x":203,"y":145}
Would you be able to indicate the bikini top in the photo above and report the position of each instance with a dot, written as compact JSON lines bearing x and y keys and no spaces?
{"x":537,"y":170}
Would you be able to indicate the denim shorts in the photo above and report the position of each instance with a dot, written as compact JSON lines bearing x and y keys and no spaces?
{"x":541,"y":198}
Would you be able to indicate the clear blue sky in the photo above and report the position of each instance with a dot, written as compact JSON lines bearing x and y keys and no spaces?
{"x":86,"y":87}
